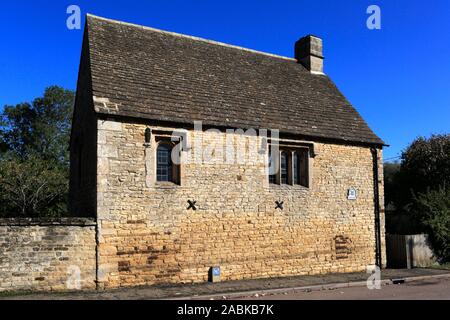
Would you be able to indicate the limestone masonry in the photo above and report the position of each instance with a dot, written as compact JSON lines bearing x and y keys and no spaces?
{"x":52,"y":256}
{"x":147,"y":235}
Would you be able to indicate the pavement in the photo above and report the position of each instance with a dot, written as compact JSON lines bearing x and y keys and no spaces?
{"x":244,"y":288}
{"x":426,"y":289}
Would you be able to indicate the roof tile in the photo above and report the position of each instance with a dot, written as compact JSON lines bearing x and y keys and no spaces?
{"x":157,"y":75}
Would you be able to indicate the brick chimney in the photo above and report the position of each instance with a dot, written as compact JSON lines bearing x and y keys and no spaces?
{"x":309,"y":52}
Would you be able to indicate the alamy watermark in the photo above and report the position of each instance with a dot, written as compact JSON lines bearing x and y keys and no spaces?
{"x":374,"y":281}
{"x":73,"y":21}
{"x":73,"y":278}
{"x":232,"y":146}
{"x":374,"y":20}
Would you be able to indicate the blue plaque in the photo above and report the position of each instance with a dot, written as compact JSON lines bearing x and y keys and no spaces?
{"x":216,"y":271}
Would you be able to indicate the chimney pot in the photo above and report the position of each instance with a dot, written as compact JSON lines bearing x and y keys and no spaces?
{"x":309,"y":52}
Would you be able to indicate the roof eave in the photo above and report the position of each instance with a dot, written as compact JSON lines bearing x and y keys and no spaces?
{"x":189,"y":125}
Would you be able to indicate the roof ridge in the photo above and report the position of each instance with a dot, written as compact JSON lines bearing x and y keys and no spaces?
{"x":191,"y":37}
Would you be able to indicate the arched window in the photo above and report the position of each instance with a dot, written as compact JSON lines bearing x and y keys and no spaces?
{"x":165,"y":168}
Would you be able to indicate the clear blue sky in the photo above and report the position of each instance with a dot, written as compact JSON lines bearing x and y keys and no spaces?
{"x":398,"y":77}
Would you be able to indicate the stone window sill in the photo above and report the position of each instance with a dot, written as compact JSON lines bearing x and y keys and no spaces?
{"x":288,"y":187}
{"x":166,"y":185}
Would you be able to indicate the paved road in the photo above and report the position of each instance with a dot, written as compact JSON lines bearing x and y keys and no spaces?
{"x":436,"y":289}
{"x":433,"y":289}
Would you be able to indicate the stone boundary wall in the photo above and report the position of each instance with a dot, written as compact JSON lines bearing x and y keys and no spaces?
{"x":47,"y":254}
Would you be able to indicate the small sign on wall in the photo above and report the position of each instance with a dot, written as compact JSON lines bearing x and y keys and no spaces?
{"x":215,"y":274}
{"x":352,"y":194}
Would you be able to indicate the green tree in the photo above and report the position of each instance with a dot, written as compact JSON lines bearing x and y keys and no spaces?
{"x":417,"y":195}
{"x":432,"y":209}
{"x":40,"y":128}
{"x":398,"y":220}
{"x":34,"y":156}
{"x":32,"y":188}
{"x":425,"y":165}
{"x":391,"y":171}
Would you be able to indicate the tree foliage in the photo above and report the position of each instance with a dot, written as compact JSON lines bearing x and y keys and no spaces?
{"x":432,"y":209}
{"x":417,"y":191}
{"x":32,"y":188}
{"x":425,"y":165}
{"x":40,"y":128}
{"x":391,"y":171}
{"x":34,"y":156}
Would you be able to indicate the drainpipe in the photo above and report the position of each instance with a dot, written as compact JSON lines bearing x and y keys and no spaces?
{"x":376,"y":192}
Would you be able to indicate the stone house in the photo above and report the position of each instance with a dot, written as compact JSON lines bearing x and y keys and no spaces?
{"x":173,"y":201}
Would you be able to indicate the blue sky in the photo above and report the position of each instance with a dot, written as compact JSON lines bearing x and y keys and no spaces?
{"x":397,"y":77}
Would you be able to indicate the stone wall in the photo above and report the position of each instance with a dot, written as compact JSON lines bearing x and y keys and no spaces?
{"x":47,"y":255}
{"x":147,"y":235}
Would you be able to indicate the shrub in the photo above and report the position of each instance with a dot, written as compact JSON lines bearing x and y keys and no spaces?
{"x":433,"y":210}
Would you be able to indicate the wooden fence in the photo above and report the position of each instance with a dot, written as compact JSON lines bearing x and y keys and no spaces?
{"x":408,"y":251}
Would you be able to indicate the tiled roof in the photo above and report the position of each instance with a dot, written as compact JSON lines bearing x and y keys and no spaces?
{"x":151,"y":74}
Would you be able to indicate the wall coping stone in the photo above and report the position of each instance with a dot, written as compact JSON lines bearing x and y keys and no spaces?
{"x":69,"y":222}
